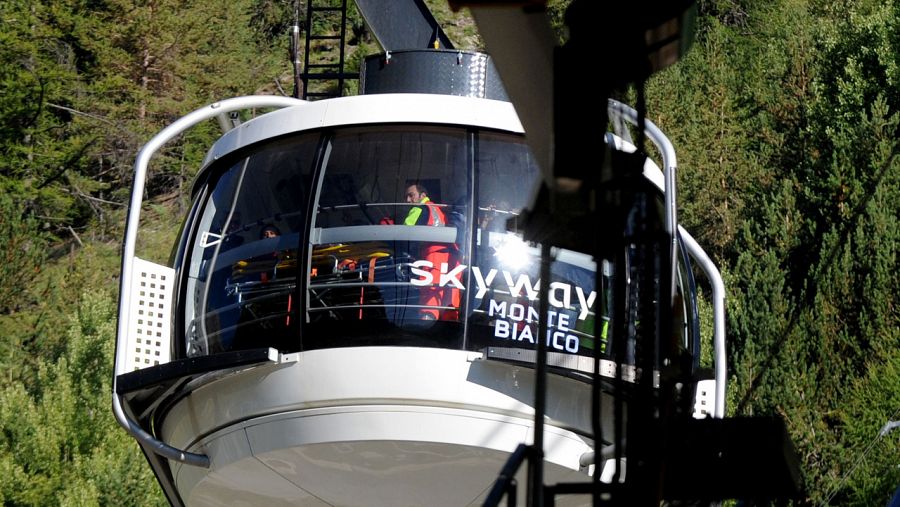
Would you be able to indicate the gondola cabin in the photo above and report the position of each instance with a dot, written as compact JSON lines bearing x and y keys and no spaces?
{"x":350,"y":313}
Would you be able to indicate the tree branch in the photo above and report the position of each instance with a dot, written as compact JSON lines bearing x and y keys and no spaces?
{"x":94,"y":117}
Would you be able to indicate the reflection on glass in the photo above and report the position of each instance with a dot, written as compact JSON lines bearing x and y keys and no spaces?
{"x":243,"y":267}
{"x":388,"y":247}
{"x":412,"y":240}
{"x":504,"y":299}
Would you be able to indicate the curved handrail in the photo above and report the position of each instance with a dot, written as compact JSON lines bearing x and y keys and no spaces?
{"x":694,"y":249}
{"x":134,"y":214}
{"x":670,"y":165}
{"x":718,"y":297}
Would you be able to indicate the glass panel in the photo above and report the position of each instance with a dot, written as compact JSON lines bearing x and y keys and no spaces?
{"x":503,"y":301}
{"x":243,"y":263}
{"x":685,"y":325}
{"x":388,"y":244}
{"x":399,"y":249}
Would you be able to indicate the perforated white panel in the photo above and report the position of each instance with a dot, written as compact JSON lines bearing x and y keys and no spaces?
{"x":704,"y":400}
{"x":149,"y":318}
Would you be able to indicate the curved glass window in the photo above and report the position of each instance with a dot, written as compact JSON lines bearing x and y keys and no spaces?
{"x":388,"y":243}
{"x":505,"y":277}
{"x":389,"y":235}
{"x":243,"y":263}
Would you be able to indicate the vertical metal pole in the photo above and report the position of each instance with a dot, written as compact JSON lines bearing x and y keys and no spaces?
{"x":309,"y":27}
{"x":470,"y":249}
{"x":622,"y":336}
{"x":596,"y":379}
{"x":341,"y":49}
{"x":536,"y":465}
{"x":295,"y":48}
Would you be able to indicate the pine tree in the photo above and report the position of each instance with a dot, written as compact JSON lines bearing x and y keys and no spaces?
{"x":59,"y":444}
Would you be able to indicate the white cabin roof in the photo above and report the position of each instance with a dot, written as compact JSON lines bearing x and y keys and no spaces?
{"x":367,"y":110}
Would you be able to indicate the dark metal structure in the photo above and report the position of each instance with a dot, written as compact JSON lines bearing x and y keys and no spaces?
{"x":600,"y":204}
{"x":403,"y":25}
{"x":445,"y":72}
{"x":396,"y":26}
{"x":327,"y":71}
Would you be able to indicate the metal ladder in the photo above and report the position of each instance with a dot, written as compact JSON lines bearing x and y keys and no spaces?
{"x":327,"y":71}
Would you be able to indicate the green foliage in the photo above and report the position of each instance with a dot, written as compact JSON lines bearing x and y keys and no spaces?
{"x":871,"y":472}
{"x":59,"y":444}
{"x":705,"y":316}
{"x":85,"y":85}
{"x":459,"y":26}
{"x":272,"y":19}
{"x":21,"y":252}
{"x":785,"y":114}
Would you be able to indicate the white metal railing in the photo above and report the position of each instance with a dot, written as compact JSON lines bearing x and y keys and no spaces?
{"x":619,"y":111}
{"x":129,"y":260}
{"x":718,"y":300}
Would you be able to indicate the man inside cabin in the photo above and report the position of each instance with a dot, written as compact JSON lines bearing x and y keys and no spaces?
{"x":433,"y":296}
{"x":429,"y":214}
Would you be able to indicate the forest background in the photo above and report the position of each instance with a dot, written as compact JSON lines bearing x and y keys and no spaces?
{"x":784,"y":115}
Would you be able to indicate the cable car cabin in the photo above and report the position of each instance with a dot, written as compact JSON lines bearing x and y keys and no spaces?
{"x":350,"y":314}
